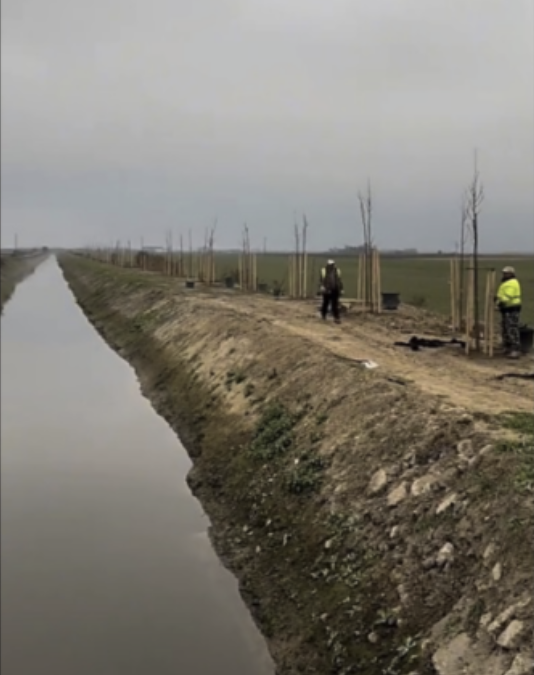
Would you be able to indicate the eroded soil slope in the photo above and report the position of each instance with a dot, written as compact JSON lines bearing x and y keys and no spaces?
{"x":379,"y":521}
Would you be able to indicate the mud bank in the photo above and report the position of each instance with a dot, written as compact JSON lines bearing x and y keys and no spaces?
{"x":374,"y":529}
{"x":13,"y":270}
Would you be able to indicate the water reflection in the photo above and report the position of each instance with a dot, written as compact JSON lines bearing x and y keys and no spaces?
{"x":106,"y":569}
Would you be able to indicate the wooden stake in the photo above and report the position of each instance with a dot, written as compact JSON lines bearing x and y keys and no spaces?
{"x":492,"y":314}
{"x":489,"y":319}
{"x":254,"y":272}
{"x":469,"y":311}
{"x":305,"y":274}
{"x":453,"y":278}
{"x":378,"y":280}
{"x":361,"y":279}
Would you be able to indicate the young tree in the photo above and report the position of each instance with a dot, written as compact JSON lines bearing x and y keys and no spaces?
{"x":474,"y":199}
{"x":366,"y":211}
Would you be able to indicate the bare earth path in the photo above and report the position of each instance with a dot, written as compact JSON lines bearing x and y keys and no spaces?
{"x":446,"y":372}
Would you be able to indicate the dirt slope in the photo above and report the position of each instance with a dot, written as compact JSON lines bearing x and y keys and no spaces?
{"x":378,"y":520}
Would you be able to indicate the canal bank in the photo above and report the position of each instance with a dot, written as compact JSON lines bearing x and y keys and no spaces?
{"x":14,"y":268}
{"x":106,"y":563}
{"x":362,"y":516}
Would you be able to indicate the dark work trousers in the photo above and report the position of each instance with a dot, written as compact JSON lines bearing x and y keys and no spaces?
{"x":330,"y":299}
{"x":510,"y":330}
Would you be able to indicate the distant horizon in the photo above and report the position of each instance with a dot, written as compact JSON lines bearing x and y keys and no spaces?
{"x":408,"y":252}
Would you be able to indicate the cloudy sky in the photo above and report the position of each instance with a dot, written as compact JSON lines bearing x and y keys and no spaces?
{"x":122,"y":119}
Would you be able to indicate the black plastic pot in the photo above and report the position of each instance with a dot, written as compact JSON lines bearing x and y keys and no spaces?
{"x":526,"y":337}
{"x":190,"y":283}
{"x":390,"y":301}
{"x":263,"y":287}
{"x":229,"y":282}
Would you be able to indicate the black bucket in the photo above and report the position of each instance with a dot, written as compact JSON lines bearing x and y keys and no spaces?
{"x":190,"y":283}
{"x":263,"y":288}
{"x":229,"y":282}
{"x":526,"y":337}
{"x":390,"y":301}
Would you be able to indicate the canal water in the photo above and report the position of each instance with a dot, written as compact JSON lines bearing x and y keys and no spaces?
{"x":106,"y":565}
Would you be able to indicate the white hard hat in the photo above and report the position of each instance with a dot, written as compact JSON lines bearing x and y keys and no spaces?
{"x":331,"y":262}
{"x":508,"y":270}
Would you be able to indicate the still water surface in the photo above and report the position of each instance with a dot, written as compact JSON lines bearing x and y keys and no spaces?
{"x":106,"y":566}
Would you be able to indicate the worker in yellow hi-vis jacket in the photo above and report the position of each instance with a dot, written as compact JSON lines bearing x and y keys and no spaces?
{"x":331,"y":289}
{"x":509,"y":304}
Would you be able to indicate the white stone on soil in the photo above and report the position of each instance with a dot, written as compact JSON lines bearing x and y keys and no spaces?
{"x":511,"y":636}
{"x":462,"y":657}
{"x":397,"y":495}
{"x":452,"y":658}
{"x":521,"y":665}
{"x":449,"y":501}
{"x":423,"y":485}
{"x":496,"y":572}
{"x":378,"y":482}
{"x":445,"y":555}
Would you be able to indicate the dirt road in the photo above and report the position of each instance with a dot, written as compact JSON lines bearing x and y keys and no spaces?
{"x":469,"y":383}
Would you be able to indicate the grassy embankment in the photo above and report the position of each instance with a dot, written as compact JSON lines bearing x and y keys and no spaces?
{"x":356,"y":512}
{"x":14,"y":269}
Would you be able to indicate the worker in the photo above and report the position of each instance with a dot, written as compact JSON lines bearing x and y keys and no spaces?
{"x":331,"y":289}
{"x":509,"y":304}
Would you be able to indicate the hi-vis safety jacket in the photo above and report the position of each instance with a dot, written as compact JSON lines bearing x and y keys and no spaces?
{"x":509,"y":295}
{"x":331,"y":279}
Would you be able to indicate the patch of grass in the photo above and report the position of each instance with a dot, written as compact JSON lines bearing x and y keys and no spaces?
{"x":521,"y":447}
{"x":307,"y":475}
{"x":146,"y":321}
{"x":274,"y":432}
{"x":521,"y":422}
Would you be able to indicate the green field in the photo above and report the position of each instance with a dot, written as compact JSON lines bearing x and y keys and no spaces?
{"x":420,"y":281}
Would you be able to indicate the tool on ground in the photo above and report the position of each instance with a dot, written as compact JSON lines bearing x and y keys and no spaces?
{"x":415,"y":343}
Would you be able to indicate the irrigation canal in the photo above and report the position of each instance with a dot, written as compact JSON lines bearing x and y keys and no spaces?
{"x":106,"y":564}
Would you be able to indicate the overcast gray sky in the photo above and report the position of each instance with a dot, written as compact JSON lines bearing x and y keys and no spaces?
{"x":122,"y":118}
